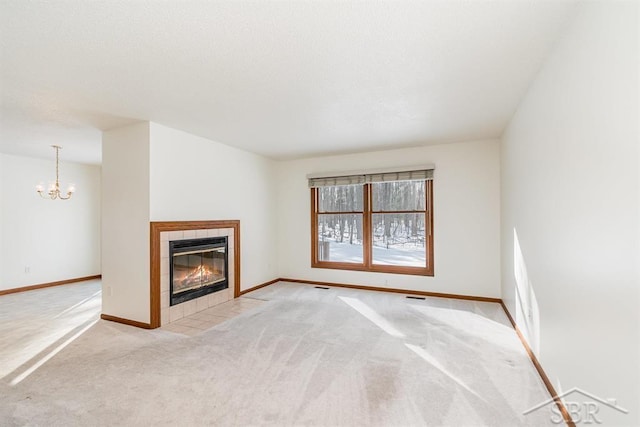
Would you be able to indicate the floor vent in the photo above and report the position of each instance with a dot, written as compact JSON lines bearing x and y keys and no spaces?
{"x":321,"y":287}
{"x":416,"y":297}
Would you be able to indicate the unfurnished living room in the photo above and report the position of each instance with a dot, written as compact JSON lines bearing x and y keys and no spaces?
{"x":330,"y":213}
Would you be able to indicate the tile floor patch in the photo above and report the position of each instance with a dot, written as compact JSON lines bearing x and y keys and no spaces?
{"x":206,"y":319}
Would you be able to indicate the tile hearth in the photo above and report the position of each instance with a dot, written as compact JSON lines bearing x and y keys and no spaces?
{"x":207,"y":319}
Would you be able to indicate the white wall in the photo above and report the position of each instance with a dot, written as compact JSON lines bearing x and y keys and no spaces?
{"x":54,"y":240}
{"x":466,"y":218}
{"x":570,"y":192}
{"x":1,"y":222}
{"x":193,"y":178}
{"x":125,"y":222}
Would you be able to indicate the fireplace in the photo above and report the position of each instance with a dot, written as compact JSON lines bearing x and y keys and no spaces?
{"x":197,"y":267}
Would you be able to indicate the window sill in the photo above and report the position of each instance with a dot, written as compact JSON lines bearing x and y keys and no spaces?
{"x":391,"y":269}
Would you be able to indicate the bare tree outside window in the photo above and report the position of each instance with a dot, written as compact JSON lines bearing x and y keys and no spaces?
{"x":398,"y":223}
{"x":340,"y":211}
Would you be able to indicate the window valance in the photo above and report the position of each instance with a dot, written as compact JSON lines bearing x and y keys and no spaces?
{"x":379,"y":175}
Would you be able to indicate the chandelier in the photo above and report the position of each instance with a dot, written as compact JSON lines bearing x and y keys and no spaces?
{"x":53,"y":192}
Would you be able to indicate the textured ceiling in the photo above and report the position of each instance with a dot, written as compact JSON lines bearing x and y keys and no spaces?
{"x":284,"y":79}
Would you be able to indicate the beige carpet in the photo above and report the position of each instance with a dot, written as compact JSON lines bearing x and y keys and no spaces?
{"x":307,"y":356}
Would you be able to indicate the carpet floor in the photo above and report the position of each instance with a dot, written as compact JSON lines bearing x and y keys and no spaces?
{"x":306,"y":356}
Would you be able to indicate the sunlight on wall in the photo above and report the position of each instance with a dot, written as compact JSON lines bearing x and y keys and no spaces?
{"x":527,"y":312}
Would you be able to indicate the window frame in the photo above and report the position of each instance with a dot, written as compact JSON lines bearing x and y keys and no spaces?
{"x":367,"y":214}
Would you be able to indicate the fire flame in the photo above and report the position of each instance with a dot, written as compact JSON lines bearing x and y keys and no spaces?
{"x":203,"y":273}
{"x":199,"y":276}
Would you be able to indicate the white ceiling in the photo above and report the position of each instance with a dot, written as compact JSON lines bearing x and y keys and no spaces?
{"x":284,"y":79}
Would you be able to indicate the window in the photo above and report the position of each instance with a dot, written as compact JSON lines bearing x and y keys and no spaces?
{"x":373,"y":222}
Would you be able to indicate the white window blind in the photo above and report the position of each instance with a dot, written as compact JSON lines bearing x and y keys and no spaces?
{"x":337,"y":180}
{"x":419,"y":175}
{"x":362,"y":178}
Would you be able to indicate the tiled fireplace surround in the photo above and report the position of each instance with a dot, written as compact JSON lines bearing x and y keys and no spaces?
{"x":164,"y":232}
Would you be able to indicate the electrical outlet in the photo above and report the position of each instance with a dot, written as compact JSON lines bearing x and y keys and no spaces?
{"x":27,"y":269}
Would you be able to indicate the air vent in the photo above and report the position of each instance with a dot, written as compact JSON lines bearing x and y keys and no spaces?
{"x":321,"y":287}
{"x":422,"y":298}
